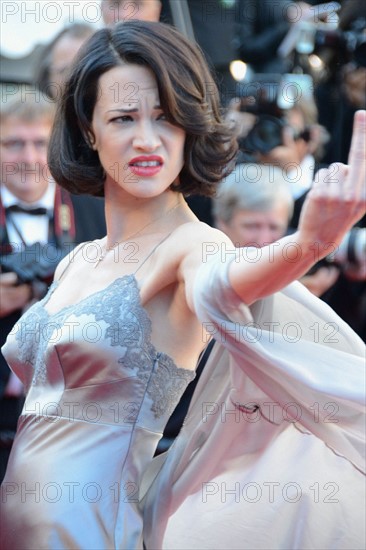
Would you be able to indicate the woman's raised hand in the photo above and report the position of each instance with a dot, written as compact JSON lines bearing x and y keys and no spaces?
{"x":337,"y":199}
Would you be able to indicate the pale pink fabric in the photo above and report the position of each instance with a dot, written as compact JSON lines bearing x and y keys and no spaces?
{"x":272,"y":450}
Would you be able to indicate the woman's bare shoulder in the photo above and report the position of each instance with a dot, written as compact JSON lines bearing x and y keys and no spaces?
{"x":195,"y":233}
{"x":192,"y":242}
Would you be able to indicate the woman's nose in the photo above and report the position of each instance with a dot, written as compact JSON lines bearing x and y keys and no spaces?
{"x":147,"y":137}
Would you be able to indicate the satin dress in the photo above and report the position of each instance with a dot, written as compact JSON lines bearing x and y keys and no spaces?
{"x":271,"y":455}
{"x":99,"y":397}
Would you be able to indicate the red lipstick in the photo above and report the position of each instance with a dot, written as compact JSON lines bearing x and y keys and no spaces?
{"x":146,"y":165}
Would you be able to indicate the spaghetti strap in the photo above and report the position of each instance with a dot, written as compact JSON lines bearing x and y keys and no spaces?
{"x":152,"y":252}
{"x":72,"y":256}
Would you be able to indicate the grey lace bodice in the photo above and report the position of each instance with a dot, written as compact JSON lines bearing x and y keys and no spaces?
{"x":126,"y":327}
{"x":99,"y":397}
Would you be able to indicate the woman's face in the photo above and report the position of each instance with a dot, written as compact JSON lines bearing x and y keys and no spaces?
{"x":140,"y":151}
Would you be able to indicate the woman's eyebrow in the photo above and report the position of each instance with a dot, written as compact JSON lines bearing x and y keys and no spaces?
{"x":123,"y":110}
{"x":131,"y":110}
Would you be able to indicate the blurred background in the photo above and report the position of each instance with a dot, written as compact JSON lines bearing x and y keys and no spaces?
{"x":27,"y":26}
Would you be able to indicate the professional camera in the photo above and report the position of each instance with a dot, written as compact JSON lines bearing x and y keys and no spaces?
{"x":265,"y":135}
{"x":269,"y":98}
{"x":267,"y":131}
{"x":34,"y":264}
{"x":352,"y":249}
{"x":348,"y":45}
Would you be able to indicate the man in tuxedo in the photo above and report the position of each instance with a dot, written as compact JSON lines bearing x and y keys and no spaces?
{"x":33,"y":209}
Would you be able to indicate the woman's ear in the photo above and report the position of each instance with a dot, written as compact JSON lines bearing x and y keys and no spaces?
{"x":90,"y":140}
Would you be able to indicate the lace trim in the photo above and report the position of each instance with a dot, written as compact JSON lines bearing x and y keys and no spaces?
{"x":128,"y":327}
{"x":167,"y":385}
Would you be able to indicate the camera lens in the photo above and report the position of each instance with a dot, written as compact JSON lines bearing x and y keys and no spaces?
{"x":352,"y":248}
{"x":265,"y":135}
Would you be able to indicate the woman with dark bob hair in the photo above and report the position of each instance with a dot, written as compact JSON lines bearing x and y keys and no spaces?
{"x":273,"y":436}
{"x":188,"y":97}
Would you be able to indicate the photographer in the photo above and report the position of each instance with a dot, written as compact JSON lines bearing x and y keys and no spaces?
{"x":293,"y":141}
{"x":25,"y":127}
{"x":342,"y":89}
{"x":262,"y":26}
{"x":36,"y":229}
{"x":290,"y":139}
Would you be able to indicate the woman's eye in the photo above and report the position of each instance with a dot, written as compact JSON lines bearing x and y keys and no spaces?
{"x":161,"y":117}
{"x":123,"y":118}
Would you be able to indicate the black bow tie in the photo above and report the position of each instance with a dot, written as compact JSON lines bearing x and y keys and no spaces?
{"x":39,"y":211}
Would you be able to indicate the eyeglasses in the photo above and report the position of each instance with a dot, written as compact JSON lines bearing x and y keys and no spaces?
{"x":304,"y":135}
{"x":17,"y":145}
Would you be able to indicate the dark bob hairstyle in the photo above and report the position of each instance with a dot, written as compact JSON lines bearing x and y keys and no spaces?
{"x":188,"y":96}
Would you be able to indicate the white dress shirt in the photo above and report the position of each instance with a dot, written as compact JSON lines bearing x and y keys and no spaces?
{"x":32,"y":228}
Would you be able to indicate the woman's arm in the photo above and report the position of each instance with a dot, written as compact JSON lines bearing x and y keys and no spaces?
{"x":334,"y":204}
